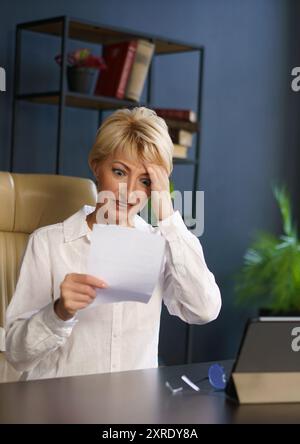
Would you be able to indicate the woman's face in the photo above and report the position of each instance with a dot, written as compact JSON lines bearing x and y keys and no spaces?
{"x":127,"y":183}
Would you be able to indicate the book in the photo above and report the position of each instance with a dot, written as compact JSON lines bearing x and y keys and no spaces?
{"x":177,"y":114}
{"x":180,"y":151}
{"x":182,"y":137}
{"x":119,"y":58}
{"x":139,"y":69}
{"x":181,"y":124}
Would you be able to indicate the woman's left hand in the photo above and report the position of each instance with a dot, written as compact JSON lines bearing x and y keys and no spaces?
{"x":161,"y":200}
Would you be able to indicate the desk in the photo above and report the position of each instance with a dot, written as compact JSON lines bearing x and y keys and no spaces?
{"x":130,"y":397}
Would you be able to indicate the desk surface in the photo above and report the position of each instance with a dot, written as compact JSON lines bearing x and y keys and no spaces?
{"x":131,"y":397}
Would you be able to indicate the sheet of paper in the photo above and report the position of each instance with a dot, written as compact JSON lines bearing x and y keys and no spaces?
{"x":128,"y":259}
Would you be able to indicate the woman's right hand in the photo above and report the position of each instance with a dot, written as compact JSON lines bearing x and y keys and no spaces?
{"x":77,"y":291}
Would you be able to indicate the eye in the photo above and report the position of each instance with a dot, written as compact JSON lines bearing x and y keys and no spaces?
{"x":118,"y":172}
{"x":146,"y":182}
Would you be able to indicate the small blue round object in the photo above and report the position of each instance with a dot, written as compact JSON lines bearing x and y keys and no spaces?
{"x":217,"y":376}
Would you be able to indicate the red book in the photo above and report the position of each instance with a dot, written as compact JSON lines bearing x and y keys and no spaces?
{"x":119,"y":58}
{"x":177,"y":114}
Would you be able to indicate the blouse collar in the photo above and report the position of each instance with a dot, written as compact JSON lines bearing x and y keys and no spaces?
{"x":76,"y":225}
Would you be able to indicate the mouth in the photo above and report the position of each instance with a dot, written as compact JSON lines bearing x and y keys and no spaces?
{"x":123,"y":204}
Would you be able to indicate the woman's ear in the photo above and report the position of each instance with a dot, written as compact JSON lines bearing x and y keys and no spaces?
{"x":95,"y":167}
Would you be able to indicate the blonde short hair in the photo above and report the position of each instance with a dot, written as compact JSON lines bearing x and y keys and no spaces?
{"x":139,"y":131}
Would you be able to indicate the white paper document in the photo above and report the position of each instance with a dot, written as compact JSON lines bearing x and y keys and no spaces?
{"x":128,"y":260}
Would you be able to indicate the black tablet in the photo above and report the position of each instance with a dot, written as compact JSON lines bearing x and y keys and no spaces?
{"x":267,"y":368}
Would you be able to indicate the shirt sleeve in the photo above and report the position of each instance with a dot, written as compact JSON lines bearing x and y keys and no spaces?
{"x":33,"y":330}
{"x":189,"y":288}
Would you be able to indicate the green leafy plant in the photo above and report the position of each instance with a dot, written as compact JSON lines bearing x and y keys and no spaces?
{"x":270,"y":276}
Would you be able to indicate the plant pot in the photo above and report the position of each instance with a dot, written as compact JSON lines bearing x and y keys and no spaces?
{"x":82,"y":80}
{"x":271,"y":313}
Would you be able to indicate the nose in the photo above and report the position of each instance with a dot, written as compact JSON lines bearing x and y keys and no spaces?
{"x":125,"y":189}
{"x":131,"y":187}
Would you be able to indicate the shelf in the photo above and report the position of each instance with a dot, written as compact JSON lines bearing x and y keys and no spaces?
{"x":86,"y":101}
{"x":97,"y":33}
{"x":65,"y":28}
{"x":89,"y":101}
{"x":77,"y":100}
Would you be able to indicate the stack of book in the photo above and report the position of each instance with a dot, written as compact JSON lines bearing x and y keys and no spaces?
{"x":182,"y":123}
{"x":127,"y":68}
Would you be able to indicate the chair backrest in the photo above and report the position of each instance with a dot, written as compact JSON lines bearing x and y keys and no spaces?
{"x":27,"y":202}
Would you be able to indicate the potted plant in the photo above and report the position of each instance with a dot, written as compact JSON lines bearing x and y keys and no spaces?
{"x":82,"y":70}
{"x":270,"y":276}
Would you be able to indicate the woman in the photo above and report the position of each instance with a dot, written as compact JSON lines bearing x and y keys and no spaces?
{"x":48,"y":332}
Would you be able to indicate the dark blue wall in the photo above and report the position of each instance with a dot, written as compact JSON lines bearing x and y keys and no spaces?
{"x":250,"y":130}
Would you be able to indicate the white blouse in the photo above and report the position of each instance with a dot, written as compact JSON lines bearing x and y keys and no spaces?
{"x":110,"y":337}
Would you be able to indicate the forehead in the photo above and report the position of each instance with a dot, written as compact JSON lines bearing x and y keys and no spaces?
{"x":132,"y":161}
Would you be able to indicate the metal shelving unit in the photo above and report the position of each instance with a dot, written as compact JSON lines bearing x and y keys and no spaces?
{"x":65,"y":28}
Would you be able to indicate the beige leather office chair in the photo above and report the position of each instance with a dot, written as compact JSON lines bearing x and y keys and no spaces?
{"x":27,"y":202}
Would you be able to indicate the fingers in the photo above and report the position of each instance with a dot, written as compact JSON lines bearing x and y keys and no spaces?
{"x":158,"y":176}
{"x":74,"y":296}
{"x":79,"y":305}
{"x":157,"y":170}
{"x":77,"y":292}
{"x":152,"y":174}
{"x":87,"y":279}
{"x":82,"y":289}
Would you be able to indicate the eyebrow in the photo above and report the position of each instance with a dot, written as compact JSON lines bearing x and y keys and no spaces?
{"x":124,"y":164}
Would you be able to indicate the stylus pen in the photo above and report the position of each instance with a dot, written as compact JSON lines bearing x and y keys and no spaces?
{"x":190,"y":383}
